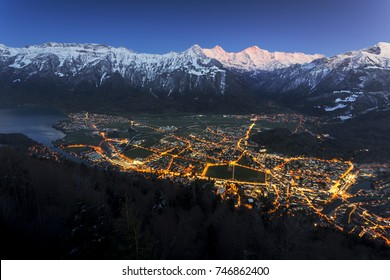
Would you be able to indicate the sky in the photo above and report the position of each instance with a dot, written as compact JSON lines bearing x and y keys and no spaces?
{"x":311,"y":26}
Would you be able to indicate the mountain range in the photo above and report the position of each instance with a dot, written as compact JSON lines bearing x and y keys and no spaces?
{"x":92,"y":75}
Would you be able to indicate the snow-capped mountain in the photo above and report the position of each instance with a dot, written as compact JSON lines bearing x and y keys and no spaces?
{"x":347,"y":84}
{"x":356,"y":70}
{"x":96,"y":63}
{"x":356,"y":81}
{"x":99,"y":62}
{"x":256,"y":59}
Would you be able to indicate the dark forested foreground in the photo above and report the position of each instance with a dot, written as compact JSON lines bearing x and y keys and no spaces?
{"x":64,"y":210}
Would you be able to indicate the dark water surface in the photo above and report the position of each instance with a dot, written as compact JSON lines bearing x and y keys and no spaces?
{"x":36,"y":123}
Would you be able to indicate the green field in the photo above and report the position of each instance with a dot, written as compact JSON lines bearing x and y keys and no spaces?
{"x":185,"y":121}
{"x":240,"y":173}
{"x":270,"y":125}
{"x":81,"y":137}
{"x":150,"y":139}
{"x":249,"y":175}
{"x":220,"y":171}
{"x":137,"y":153}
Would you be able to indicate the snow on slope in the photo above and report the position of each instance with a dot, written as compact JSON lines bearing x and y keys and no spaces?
{"x":121,"y":59}
{"x":355,"y":70}
{"x":179,"y":72}
{"x":201,"y":67}
{"x":385,"y":49}
{"x":254,"y":58}
{"x":250,"y":59}
{"x":83,"y":55}
{"x":375,"y":57}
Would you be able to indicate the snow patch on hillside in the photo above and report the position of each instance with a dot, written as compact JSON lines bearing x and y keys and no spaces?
{"x":338,"y":106}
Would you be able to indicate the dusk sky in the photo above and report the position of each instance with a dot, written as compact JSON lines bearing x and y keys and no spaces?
{"x":327,"y":27}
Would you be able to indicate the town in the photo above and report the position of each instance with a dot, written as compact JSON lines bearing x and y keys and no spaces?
{"x":217,"y":148}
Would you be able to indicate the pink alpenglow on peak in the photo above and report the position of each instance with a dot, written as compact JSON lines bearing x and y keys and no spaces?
{"x":255,"y":58}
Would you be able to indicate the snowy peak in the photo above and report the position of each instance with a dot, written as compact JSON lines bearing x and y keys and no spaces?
{"x":362,"y":71}
{"x":250,"y":59}
{"x":356,"y":77}
{"x":171,"y":72}
{"x":80,"y":56}
{"x":381,"y":49}
{"x":218,"y":48}
{"x":253,"y":50}
{"x":384,"y":49}
{"x":196,"y":50}
{"x":255,"y":58}
{"x":53,"y":47}
{"x":375,"y":57}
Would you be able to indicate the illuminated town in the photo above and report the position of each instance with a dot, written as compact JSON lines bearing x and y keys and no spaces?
{"x":218,"y":149}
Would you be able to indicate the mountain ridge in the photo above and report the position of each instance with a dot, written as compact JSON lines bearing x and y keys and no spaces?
{"x":254,"y":58}
{"x":202,"y":75}
{"x":253,"y":52}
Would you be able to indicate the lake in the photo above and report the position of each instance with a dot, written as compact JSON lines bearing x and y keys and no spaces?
{"x":36,"y":123}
